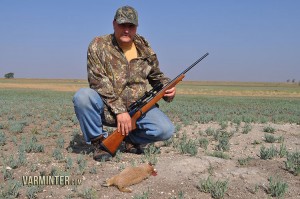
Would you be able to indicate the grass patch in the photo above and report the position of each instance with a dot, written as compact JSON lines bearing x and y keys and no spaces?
{"x":269,"y":138}
{"x":219,"y":154}
{"x":2,"y":139}
{"x":269,"y":129}
{"x":217,"y":189}
{"x":203,"y":142}
{"x":277,"y":188}
{"x":244,"y":161}
{"x":268,"y":153}
{"x":292,"y":163}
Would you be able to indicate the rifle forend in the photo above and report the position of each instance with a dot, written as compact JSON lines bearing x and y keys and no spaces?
{"x":141,"y":106}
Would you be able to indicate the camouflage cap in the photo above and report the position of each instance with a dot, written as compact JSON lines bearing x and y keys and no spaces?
{"x":126,"y":14}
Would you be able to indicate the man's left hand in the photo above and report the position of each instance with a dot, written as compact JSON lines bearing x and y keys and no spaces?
{"x":170,"y":93}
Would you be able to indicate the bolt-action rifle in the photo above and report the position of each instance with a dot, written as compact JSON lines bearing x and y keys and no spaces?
{"x":141,"y":106}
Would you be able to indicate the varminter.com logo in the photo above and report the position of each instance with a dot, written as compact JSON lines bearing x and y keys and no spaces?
{"x":49,"y":180}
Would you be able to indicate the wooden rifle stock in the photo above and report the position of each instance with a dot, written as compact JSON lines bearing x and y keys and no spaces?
{"x":114,"y":140}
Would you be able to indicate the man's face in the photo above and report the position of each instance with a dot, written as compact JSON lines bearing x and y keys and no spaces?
{"x":124,"y":32}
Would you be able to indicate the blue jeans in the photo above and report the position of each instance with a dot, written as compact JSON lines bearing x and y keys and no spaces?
{"x":153,"y":126}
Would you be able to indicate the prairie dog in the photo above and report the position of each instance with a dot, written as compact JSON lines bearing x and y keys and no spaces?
{"x":130,"y":176}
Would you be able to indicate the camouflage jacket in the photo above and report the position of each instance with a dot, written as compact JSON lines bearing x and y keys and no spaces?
{"x":118,"y":81}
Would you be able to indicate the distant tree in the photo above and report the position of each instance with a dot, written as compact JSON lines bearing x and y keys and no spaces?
{"x":293,"y":80}
{"x":288,"y":81}
{"x":9,"y":75}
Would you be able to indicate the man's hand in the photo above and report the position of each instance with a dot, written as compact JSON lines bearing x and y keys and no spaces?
{"x":124,"y":123}
{"x":170,"y":93}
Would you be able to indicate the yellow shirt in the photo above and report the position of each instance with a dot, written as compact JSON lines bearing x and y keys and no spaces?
{"x":130,"y":52}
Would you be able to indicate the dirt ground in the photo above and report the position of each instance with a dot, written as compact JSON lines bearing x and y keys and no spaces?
{"x":178,"y":174}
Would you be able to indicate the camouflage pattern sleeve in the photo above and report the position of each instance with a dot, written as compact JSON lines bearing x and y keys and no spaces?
{"x":155,"y":76}
{"x":98,"y":79}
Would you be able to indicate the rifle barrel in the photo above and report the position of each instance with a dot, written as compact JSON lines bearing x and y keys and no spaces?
{"x":194,"y":64}
{"x":189,"y":68}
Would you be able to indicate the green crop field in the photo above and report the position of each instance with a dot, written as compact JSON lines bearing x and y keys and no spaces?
{"x":195,"y":101}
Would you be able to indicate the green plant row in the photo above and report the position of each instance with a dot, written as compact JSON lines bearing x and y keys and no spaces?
{"x":204,"y":109}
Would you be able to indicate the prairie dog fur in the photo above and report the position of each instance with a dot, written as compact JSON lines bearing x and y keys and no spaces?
{"x":130,"y":176}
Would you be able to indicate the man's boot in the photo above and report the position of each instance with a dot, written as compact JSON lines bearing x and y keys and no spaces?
{"x":130,"y":147}
{"x":99,"y":152}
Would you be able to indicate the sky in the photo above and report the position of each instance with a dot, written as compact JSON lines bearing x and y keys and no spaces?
{"x":254,"y":40}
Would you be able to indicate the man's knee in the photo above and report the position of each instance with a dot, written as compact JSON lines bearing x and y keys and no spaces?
{"x":83,"y":97}
{"x":167,"y":131}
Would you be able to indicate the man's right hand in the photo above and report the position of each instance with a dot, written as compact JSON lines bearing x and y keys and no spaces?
{"x":124,"y":123}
